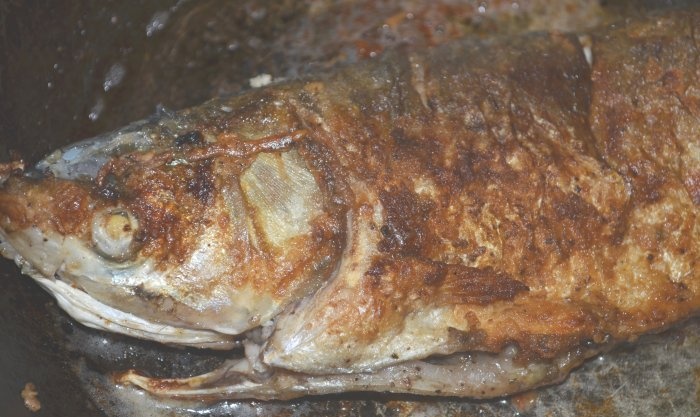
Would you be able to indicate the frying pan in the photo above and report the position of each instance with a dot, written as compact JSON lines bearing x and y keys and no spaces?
{"x":71,"y":70}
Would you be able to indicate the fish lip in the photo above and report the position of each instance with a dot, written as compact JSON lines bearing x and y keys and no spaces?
{"x":93,"y":313}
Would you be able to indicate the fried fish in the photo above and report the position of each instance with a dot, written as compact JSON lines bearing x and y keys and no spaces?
{"x":471,"y":220}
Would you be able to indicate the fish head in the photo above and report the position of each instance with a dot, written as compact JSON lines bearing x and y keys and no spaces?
{"x":182,"y":241}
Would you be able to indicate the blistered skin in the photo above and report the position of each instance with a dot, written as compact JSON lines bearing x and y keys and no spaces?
{"x":472,"y":220}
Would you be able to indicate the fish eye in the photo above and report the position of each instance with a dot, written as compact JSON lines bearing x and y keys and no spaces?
{"x":113,"y":233}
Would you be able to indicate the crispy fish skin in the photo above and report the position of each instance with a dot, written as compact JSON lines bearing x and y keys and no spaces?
{"x":453,"y":204}
{"x":495,"y":202}
{"x":507,"y":212}
{"x":645,"y":116}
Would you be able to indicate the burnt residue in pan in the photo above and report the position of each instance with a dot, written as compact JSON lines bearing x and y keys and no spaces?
{"x":70,"y":70}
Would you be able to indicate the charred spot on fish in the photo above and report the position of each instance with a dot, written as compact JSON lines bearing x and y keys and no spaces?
{"x":164,"y":302}
{"x":385,"y":231}
{"x":476,"y":253}
{"x":201,"y":183}
{"x":141,"y":292}
{"x":193,"y":138}
{"x":475,"y":164}
{"x":378,"y":268}
{"x":436,"y":276}
{"x":108,"y":188}
{"x":577,"y":221}
{"x":466,"y":340}
{"x":536,"y":346}
{"x":460,"y":243}
{"x":399,"y":135}
{"x":323,"y":164}
{"x":405,"y":221}
{"x":140,"y":236}
{"x":403,"y":140}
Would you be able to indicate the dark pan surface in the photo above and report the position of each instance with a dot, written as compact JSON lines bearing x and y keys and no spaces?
{"x":70,"y":70}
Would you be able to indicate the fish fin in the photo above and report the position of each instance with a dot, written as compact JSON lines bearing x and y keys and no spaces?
{"x":468,"y":285}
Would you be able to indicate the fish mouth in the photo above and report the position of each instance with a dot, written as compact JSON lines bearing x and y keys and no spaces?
{"x":95,"y":314}
{"x":48,"y":270}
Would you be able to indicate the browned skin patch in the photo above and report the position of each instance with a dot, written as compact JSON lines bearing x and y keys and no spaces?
{"x":49,"y":204}
{"x":167,"y":201}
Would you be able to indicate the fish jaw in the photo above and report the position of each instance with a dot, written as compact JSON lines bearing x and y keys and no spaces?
{"x":64,"y":264}
{"x":92,"y":313}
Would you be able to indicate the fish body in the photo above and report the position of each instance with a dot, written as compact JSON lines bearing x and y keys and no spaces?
{"x":470,"y":220}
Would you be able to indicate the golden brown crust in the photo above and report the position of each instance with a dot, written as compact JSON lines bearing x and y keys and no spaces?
{"x":490,"y":163}
{"x":645,"y":117}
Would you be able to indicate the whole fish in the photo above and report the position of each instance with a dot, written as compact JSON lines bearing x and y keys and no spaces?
{"x":472,"y":220}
